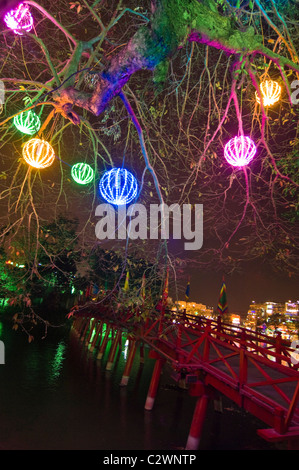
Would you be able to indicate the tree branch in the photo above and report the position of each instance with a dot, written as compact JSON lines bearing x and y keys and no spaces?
{"x":172,"y":24}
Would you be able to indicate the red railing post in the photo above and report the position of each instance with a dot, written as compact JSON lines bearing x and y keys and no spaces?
{"x":129,"y":364}
{"x":179,"y":340}
{"x":84,"y":329}
{"x":179,"y":336}
{"x":152,"y":392}
{"x":206,"y":351}
{"x":243,"y":371}
{"x":104,"y":342}
{"x":88,"y":338}
{"x":96,"y":336}
{"x":115,"y":343}
{"x":197,"y":423}
{"x":292,"y":407}
{"x":278,"y":347}
{"x":279,"y":421}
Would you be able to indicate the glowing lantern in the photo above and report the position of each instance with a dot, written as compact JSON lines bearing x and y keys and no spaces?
{"x":19,"y":20}
{"x":27,"y":122}
{"x":82,"y":173}
{"x":38,"y":153}
{"x":118,"y":186}
{"x":270,"y":92}
{"x":239,"y":151}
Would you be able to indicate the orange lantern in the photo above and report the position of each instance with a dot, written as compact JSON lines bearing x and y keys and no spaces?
{"x":38,"y":153}
{"x":270,"y":92}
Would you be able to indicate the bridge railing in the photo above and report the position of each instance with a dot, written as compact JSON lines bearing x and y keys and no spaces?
{"x":249,"y":367}
{"x":274,"y":348}
{"x":259,"y":367}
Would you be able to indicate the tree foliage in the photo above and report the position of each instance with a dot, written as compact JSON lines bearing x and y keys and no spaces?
{"x":160,"y":87}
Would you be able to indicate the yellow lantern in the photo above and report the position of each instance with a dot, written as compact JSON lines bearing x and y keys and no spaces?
{"x":38,"y":153}
{"x":270,"y":92}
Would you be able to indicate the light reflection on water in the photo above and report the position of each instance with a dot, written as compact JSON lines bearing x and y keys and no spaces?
{"x":56,"y":395}
{"x":57,"y":362}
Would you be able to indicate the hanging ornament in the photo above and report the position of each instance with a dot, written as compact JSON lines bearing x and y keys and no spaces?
{"x":118,"y":186}
{"x":270,"y":92}
{"x":27,"y":122}
{"x":19,"y":20}
{"x":82,"y":173}
{"x":38,"y":153}
{"x":239,"y":151}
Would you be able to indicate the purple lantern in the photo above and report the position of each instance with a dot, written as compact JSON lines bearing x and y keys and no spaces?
{"x":239,"y":151}
{"x":19,"y":20}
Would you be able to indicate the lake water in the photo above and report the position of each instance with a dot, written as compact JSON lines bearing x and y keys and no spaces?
{"x":56,"y":396}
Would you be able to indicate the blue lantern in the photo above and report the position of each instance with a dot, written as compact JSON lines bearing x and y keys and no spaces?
{"x":118,"y":186}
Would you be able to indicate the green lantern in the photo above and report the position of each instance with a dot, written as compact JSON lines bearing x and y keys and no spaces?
{"x":27,"y":122}
{"x":82,"y":173}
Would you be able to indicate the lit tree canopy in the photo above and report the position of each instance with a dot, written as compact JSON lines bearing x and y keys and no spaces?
{"x":161,"y":87}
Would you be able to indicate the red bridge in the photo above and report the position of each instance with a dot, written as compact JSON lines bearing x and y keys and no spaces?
{"x":257,"y":372}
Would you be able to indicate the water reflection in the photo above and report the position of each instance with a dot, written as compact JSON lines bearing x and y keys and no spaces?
{"x":57,"y":362}
{"x":55,"y":394}
{"x":126,"y":349}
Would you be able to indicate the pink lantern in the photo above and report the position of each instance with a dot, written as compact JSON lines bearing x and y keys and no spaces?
{"x":239,"y":151}
{"x":19,"y":20}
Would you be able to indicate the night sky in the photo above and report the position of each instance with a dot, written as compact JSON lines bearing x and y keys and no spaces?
{"x":254,"y":282}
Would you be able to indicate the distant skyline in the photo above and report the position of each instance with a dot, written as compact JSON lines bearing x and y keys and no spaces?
{"x":254,"y":283}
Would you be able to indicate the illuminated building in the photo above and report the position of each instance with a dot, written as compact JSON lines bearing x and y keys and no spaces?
{"x":233,"y":318}
{"x":267,"y":314}
{"x":292,"y":308}
{"x":194,"y":308}
{"x":266,"y":309}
